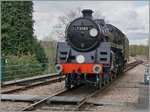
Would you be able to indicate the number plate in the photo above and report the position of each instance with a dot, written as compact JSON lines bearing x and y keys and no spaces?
{"x":82,"y":28}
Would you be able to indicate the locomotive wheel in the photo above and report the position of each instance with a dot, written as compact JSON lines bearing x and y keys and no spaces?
{"x":68,"y":81}
{"x":98,"y":81}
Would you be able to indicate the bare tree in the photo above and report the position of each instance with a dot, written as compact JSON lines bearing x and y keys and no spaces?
{"x":49,"y":45}
{"x":67,"y":17}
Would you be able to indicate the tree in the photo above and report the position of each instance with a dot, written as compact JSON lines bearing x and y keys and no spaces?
{"x":39,"y":51}
{"x":49,"y":45}
{"x":17,"y":30}
{"x":67,"y":17}
{"x":17,"y":27}
{"x":139,"y":50}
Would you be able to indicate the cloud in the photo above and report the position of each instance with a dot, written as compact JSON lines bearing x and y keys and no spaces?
{"x":131,"y":17}
{"x":138,"y":38}
{"x":134,"y":36}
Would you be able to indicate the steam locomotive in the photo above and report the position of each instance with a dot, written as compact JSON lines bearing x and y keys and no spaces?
{"x":94,"y":52}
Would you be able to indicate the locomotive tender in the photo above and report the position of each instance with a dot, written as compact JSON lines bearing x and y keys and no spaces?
{"x":95,"y":52}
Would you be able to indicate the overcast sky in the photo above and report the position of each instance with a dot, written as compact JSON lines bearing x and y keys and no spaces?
{"x":131,"y":17}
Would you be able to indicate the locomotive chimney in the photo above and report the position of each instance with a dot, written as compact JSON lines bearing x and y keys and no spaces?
{"x":87,"y":13}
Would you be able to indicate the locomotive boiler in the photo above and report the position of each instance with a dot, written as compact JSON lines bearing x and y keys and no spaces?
{"x":94,"y":52}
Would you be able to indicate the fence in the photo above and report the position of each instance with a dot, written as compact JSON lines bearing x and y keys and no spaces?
{"x":14,"y":72}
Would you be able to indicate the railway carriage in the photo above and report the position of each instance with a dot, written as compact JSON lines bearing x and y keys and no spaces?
{"x":94,"y":52}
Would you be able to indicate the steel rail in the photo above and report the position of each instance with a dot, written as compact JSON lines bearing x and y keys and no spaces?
{"x":53,"y":80}
{"x":30,"y":80}
{"x":31,"y":107}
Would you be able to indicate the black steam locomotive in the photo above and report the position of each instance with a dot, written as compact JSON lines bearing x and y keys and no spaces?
{"x":95,"y":52}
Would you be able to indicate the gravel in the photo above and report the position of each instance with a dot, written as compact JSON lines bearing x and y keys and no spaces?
{"x":12,"y":106}
{"x":57,"y":107}
{"x":8,"y":88}
{"x":44,"y":90}
{"x":126,"y":88}
{"x":105,"y":108}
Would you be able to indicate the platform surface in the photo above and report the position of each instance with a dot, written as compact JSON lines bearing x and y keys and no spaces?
{"x":143,"y":101}
{"x":105,"y":101}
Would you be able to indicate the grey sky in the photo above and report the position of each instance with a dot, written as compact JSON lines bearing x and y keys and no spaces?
{"x":131,"y":17}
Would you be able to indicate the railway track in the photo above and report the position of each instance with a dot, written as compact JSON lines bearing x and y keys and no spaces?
{"x":83,"y":102}
{"x":29,"y":80}
{"x":53,"y":79}
{"x":33,"y":106}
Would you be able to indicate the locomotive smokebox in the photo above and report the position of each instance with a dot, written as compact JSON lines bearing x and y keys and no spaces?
{"x":87,"y":13}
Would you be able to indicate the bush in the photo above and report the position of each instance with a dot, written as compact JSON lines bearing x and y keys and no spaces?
{"x":39,"y":52}
{"x":21,"y":67}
